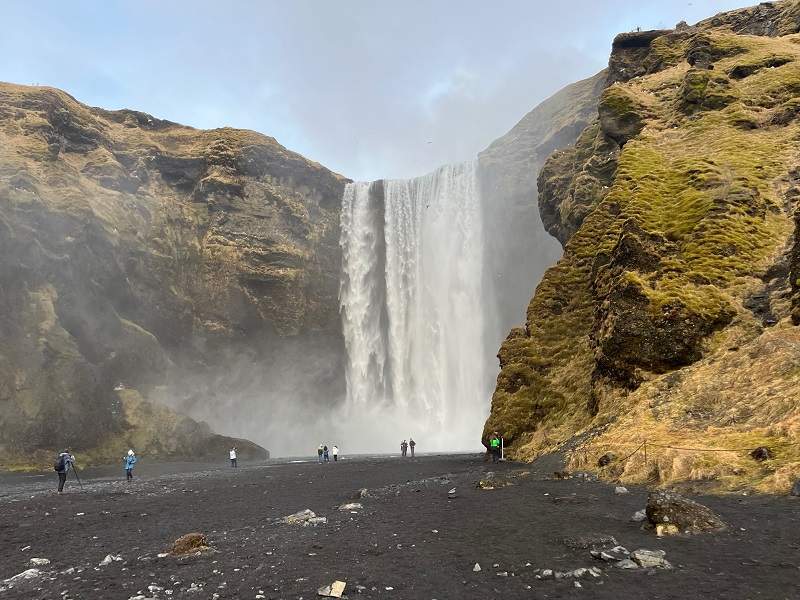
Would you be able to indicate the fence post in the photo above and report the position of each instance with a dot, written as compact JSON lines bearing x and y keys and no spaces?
{"x":645,"y":457}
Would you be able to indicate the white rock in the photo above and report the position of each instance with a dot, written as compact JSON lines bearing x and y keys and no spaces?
{"x":639,"y":516}
{"x":109,"y":559}
{"x":620,"y":490}
{"x":351,"y":506}
{"x":476,"y":568}
{"x":649,"y":559}
{"x":25,"y":575}
{"x":39,"y":562}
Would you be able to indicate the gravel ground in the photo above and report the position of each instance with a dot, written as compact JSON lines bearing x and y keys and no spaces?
{"x":409,"y":541}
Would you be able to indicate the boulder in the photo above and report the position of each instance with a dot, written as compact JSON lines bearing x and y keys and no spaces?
{"x":687,"y":515}
{"x":761,"y":454}
{"x":650,"y":559}
{"x":189,"y":544}
{"x":795,"y":489}
{"x":606,"y":459}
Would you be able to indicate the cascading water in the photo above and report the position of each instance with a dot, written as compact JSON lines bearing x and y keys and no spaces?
{"x":412,"y":303}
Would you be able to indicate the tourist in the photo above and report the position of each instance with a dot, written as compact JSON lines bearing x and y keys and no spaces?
{"x":403,"y":448}
{"x":129,"y":461}
{"x":325,"y":454}
{"x":335,"y":452}
{"x":63,"y":463}
{"x":319,"y":453}
{"x":411,"y":444}
{"x":494,"y":446}
{"x":232,"y":456}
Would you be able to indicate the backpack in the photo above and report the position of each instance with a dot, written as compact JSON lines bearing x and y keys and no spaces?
{"x":59,"y":464}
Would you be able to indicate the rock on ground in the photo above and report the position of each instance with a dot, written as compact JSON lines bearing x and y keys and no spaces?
{"x":687,"y":515}
{"x":189,"y":543}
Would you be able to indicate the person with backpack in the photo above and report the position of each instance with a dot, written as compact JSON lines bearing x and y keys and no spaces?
{"x":129,"y":461}
{"x":411,"y":444}
{"x":63,"y":463}
{"x":335,"y":452}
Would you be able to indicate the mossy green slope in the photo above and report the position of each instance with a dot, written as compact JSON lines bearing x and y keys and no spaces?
{"x":694,"y":220}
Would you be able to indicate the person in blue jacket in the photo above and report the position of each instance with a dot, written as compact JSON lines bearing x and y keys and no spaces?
{"x":130,"y":460}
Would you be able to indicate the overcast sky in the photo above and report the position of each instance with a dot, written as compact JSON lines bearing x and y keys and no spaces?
{"x":361,"y":86}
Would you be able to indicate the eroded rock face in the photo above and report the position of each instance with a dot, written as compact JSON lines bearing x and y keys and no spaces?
{"x":676,"y":209}
{"x":140,"y":251}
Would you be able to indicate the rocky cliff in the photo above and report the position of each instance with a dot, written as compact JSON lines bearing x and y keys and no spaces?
{"x":184,"y":264}
{"x":671,"y":317}
{"x":518,"y":249}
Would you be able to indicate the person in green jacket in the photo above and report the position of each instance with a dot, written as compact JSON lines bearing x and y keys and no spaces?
{"x":494,"y":446}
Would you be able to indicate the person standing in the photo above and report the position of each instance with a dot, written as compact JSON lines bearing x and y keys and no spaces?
{"x":63,"y":463}
{"x":403,"y":448}
{"x":129,"y":460}
{"x":494,"y":446}
{"x":411,"y":444}
{"x":232,"y":456}
{"x":319,"y":453}
{"x":335,"y":452}
{"x":325,"y":454}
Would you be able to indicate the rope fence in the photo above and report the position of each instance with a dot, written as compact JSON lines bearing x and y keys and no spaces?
{"x":586,"y":448}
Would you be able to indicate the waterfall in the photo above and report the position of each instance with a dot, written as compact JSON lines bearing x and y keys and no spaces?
{"x":412,"y":304}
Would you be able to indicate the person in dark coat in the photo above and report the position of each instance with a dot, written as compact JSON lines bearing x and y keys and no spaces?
{"x":64,"y":463}
{"x":403,"y":448}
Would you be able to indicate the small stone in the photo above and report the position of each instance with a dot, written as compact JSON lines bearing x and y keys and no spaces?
{"x":476,"y":568}
{"x":503,"y":574}
{"x":351,"y":506}
{"x":626,"y":563}
{"x":639,"y":516}
{"x":663,"y":529}
{"x":795,"y":489}
{"x":39,"y":562}
{"x":577,"y":584}
{"x":650,"y":559}
{"x":109,"y":559}
{"x":619,"y":490}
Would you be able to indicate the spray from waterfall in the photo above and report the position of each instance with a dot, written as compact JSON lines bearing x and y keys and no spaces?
{"x":412,"y":303}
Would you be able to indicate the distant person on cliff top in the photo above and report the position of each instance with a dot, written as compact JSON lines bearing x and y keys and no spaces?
{"x":411,"y":444}
{"x":64,"y":461}
{"x":129,"y":461}
{"x":335,"y":452}
{"x":319,"y":453}
{"x":232,"y":456}
{"x":403,"y":448}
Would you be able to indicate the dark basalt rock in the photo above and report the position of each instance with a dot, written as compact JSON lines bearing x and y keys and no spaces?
{"x":668,"y":508}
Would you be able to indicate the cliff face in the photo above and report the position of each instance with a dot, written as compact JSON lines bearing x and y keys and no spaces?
{"x":140,"y":251}
{"x":517,"y":248}
{"x":670,"y":317}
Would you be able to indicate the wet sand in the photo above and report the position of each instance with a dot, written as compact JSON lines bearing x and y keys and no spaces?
{"x":409,"y":536}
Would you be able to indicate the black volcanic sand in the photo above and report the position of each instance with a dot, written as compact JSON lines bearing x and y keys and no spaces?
{"x":391,"y":543}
